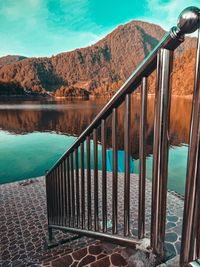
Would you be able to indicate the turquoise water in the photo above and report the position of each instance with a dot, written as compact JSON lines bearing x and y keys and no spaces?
{"x":34,"y":135}
{"x":176,"y":168}
{"x":25,"y":156}
{"x":30,"y":155}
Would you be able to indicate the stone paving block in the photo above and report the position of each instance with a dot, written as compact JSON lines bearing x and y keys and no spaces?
{"x":23,"y":219}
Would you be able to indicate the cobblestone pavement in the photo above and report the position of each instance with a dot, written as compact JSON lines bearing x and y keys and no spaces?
{"x":96,"y":255}
{"x":23,"y":223}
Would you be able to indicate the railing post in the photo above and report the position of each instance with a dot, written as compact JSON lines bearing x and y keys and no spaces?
{"x":47,"y":194}
{"x":142,"y":157}
{"x":60,"y":194}
{"x":68,"y":192}
{"x":82,"y":187}
{"x":96,"y":183}
{"x":104,"y":173}
{"x":77,"y":189}
{"x":56,"y":209}
{"x":64,"y":192}
{"x":191,"y":224}
{"x":160,"y":151}
{"x":72,"y":188}
{"x":89,"y":198}
{"x":127,"y":121}
{"x":114,"y":172}
{"x":65,"y":184}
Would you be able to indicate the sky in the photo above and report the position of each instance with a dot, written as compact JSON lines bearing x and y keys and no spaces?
{"x":48,"y":27}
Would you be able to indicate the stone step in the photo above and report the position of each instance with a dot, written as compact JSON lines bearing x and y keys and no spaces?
{"x":79,"y":257}
{"x":114,"y":259}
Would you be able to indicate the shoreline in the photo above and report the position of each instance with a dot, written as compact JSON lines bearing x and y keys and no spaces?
{"x":78,"y":97}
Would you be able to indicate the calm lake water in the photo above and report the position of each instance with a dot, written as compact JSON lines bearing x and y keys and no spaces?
{"x":35,"y":133}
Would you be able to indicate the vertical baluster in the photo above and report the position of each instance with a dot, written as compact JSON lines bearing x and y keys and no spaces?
{"x":47,"y":182}
{"x":190,"y":231}
{"x":142,"y":157}
{"x":160,"y":152}
{"x":56,"y":202}
{"x":104,"y":178}
{"x":72,"y":189}
{"x":56,"y":196}
{"x":89,"y":212}
{"x":53,"y":195}
{"x":60,"y":193}
{"x":50,"y":204}
{"x":82,"y":188}
{"x":56,"y":199}
{"x":114,"y":172}
{"x":68,"y":192}
{"x":96,"y":202}
{"x":77,"y":189}
{"x":127,"y":121}
{"x":64,"y":191}
{"x":49,"y":194}
{"x":52,"y":198}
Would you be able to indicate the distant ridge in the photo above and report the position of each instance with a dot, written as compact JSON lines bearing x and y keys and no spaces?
{"x":99,"y":69}
{"x":9,"y":59}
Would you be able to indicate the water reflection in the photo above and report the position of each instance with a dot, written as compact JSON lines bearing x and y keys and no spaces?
{"x":73,"y":117}
{"x":67,"y":117}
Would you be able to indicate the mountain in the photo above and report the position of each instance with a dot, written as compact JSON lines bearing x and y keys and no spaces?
{"x":10,"y":59}
{"x":99,"y":69}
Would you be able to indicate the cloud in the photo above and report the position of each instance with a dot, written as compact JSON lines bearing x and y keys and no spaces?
{"x":45,"y":27}
{"x":165,"y":13}
{"x":13,"y":10}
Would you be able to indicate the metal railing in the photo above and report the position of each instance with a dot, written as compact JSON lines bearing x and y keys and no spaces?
{"x":73,"y":193}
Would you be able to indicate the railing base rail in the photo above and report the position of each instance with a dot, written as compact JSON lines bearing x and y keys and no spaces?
{"x":124,"y":241}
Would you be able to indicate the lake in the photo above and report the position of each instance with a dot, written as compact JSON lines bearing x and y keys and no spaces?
{"x":35,"y":133}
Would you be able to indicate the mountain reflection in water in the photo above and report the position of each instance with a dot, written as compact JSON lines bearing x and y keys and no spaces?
{"x":50,"y":124}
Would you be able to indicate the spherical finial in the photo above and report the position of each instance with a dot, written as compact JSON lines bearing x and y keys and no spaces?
{"x":189,"y":20}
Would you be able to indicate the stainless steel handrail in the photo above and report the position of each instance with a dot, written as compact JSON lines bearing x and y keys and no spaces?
{"x":66,"y":194}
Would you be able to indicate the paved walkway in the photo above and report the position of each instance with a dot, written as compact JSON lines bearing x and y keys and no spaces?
{"x":23,"y":223}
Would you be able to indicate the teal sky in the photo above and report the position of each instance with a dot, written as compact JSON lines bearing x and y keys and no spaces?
{"x":47,"y":27}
